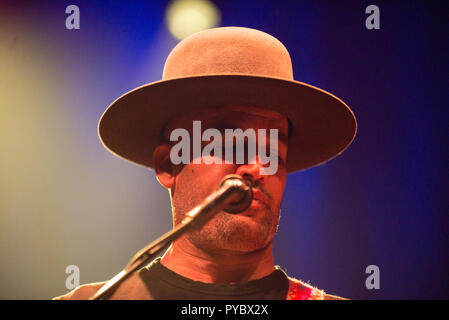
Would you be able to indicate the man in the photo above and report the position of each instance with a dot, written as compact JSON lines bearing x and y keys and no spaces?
{"x":225,"y":78}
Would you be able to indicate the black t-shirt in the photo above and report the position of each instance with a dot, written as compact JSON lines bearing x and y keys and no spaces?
{"x":164,"y":284}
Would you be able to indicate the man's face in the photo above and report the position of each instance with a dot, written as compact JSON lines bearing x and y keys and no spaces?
{"x":254,"y":228}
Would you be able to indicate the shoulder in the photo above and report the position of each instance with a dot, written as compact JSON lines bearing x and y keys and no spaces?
{"x":83,"y":292}
{"x":132,"y":288}
{"x":299,"y":290}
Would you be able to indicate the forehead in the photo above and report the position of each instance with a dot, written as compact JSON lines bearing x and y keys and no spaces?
{"x":231,"y":117}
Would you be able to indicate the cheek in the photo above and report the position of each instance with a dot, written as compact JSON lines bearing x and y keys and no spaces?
{"x":205,"y":176}
{"x":276,"y":185}
{"x":212,"y":160}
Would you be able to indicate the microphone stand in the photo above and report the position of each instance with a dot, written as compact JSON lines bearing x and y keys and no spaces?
{"x":233,"y":195}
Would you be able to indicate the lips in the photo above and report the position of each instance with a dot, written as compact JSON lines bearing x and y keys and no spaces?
{"x":261,"y":197}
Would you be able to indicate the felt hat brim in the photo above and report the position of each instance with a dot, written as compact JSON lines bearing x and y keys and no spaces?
{"x":323,"y":126}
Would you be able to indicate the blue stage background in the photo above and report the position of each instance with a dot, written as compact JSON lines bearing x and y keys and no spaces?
{"x":66,"y":201}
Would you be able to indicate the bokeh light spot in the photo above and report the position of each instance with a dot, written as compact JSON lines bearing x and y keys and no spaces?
{"x":185,"y":17}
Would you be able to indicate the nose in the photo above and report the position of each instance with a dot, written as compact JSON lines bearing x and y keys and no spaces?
{"x":251,"y":172}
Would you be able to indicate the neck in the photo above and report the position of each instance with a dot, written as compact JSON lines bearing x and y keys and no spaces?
{"x":225,"y":268}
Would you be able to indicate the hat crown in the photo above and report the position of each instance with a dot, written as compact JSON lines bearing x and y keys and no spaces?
{"x":229,"y":50}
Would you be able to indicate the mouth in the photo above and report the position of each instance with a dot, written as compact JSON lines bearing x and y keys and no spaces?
{"x":257,"y":204}
{"x":260,"y":201}
{"x":259,"y":196}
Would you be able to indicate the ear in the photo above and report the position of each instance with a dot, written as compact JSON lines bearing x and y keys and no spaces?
{"x":165,"y":170}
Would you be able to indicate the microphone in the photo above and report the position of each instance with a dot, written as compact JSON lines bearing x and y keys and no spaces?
{"x":242,"y":188}
{"x":234,"y":195}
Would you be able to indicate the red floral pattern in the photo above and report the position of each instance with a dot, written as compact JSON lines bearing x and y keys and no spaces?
{"x":299,"y":290}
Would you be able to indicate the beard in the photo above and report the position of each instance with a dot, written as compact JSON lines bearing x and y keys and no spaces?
{"x":236,"y":233}
{"x":232,"y":233}
{"x":224,"y":233}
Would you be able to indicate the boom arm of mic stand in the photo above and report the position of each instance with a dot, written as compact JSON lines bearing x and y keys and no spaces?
{"x":199,"y":215}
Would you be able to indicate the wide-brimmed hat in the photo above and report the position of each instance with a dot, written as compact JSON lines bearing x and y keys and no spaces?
{"x":229,"y":66}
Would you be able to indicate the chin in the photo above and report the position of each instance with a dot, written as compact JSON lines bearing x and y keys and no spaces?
{"x":242,"y":238}
{"x":251,"y":230}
